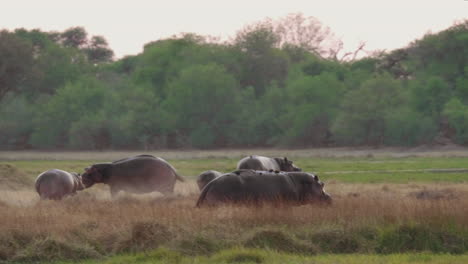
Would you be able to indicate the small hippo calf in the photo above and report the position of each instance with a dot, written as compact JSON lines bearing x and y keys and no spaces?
{"x":207,"y":176}
{"x":54,"y":184}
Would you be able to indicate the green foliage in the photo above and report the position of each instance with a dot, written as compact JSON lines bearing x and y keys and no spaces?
{"x":16,"y":61}
{"x":429,"y":96}
{"x":202,"y":104}
{"x":200,"y":245}
{"x":15,"y":128}
{"x":316,"y":104}
{"x":72,"y":103}
{"x":365,"y":110}
{"x":277,"y":240}
{"x":274,"y":84}
{"x":457,"y":114}
{"x":417,"y":238}
{"x":407,"y":127}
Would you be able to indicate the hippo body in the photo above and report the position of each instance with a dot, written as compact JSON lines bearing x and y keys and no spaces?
{"x":138,"y":174}
{"x":54,"y":184}
{"x":262,"y":163}
{"x":259,"y":187}
{"x":205,"y":177}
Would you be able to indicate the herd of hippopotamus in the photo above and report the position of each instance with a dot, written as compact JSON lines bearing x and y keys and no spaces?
{"x":257,"y":180}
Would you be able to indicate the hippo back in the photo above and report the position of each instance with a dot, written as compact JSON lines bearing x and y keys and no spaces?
{"x":138,"y":174}
{"x":55,"y":184}
{"x":258,"y":163}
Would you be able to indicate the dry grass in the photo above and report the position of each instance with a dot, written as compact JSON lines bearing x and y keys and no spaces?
{"x":93,"y":213}
{"x":90,"y":224}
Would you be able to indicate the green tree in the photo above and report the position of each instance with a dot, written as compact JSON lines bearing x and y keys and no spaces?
{"x":74,"y":37}
{"x":428,"y":96}
{"x":202,"y":105}
{"x":311,"y":106}
{"x":98,"y":50}
{"x":74,"y":101}
{"x":457,"y":114}
{"x":16,"y":62}
{"x":15,"y":115}
{"x":54,"y":64}
{"x":263,"y":63}
{"x":444,"y":54}
{"x":363,"y":111}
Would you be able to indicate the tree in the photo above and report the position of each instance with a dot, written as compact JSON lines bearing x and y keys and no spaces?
{"x":444,"y":54}
{"x":308,"y":34}
{"x":363,"y":111}
{"x":16,"y":62}
{"x":429,"y":95}
{"x":75,"y":37}
{"x":15,"y":115}
{"x":311,"y":106}
{"x":262,"y":62}
{"x":457,"y":114}
{"x":54,"y":64}
{"x":71,"y":103}
{"x":201,"y":105}
{"x":98,"y":50}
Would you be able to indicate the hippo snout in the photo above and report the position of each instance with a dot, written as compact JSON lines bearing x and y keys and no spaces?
{"x":326,"y":198}
{"x":297,"y":169}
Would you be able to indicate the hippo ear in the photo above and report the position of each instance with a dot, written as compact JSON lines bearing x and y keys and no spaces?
{"x":316,"y":177}
{"x":285,"y":159}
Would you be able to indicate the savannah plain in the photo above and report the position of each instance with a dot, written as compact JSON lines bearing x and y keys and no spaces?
{"x":390,"y":206}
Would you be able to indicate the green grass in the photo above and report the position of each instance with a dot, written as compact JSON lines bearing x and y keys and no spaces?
{"x":241,"y":255}
{"x":352,"y":170}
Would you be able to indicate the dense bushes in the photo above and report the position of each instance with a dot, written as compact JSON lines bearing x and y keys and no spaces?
{"x":257,"y":90}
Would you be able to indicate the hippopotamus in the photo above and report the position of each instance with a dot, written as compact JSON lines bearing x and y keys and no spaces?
{"x":207,"y":176}
{"x":54,"y":184}
{"x":259,"y":187}
{"x":266,"y":164}
{"x":138,"y":174}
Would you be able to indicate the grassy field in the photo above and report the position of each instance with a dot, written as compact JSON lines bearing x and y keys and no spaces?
{"x":389,"y":207}
{"x":242,"y":255}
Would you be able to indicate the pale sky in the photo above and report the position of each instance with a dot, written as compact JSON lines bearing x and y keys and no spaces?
{"x":128,"y":25}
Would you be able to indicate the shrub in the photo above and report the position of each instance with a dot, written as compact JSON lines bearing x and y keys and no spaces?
{"x":279,"y":241}
{"x":199,"y":245}
{"x":420,"y":238}
{"x":145,"y":236}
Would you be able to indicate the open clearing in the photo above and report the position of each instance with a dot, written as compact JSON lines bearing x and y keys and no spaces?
{"x":385,"y":201}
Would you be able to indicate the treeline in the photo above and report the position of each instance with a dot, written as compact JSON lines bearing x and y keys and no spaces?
{"x":276,"y":83}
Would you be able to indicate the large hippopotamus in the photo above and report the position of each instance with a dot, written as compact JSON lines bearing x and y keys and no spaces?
{"x":266,"y":164}
{"x":54,"y":184}
{"x":205,"y":177}
{"x":138,"y":174}
{"x":259,"y":187}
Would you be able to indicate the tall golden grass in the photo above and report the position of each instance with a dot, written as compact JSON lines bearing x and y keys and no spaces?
{"x":97,"y":223}
{"x":353,"y":206}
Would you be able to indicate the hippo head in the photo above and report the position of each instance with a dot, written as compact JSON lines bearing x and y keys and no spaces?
{"x":312,"y":188}
{"x":78,"y":181}
{"x":94,"y":174}
{"x":286,"y":165}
